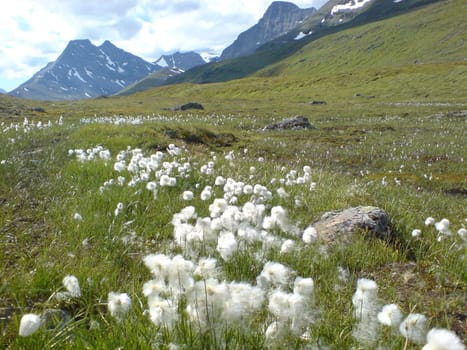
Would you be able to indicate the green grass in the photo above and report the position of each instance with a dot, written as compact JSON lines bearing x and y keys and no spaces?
{"x":42,"y":187}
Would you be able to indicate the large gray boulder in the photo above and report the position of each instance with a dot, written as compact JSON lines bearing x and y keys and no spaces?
{"x":294,"y":123}
{"x":339,"y":226}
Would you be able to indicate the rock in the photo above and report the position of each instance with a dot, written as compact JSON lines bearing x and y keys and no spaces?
{"x":295,"y":123}
{"x":318,"y":102}
{"x":341,"y":225}
{"x":189,"y":105}
{"x":38,"y":109}
{"x":55,"y":318}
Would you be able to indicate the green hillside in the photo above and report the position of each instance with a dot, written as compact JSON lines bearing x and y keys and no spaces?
{"x":428,"y":34}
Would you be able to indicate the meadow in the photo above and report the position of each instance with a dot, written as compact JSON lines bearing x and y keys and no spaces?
{"x":202,"y":222}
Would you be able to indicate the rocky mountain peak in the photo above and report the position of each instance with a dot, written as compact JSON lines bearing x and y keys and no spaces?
{"x":280,"y":18}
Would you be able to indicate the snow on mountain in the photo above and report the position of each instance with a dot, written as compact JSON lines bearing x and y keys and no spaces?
{"x":349,"y":6}
{"x":183,"y":61}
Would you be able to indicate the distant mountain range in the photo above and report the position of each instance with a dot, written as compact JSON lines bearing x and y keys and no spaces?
{"x":2,"y":91}
{"x":84,"y":70}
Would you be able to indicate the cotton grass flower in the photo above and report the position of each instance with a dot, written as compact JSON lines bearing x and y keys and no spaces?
{"x":416,"y":233}
{"x":274,"y":274}
{"x":288,"y":246}
{"x":187,"y":195}
{"x":29,"y":324}
{"x":163,"y":312}
{"x":119,"y":209}
{"x":443,"y":227}
{"x":303,"y":286}
{"x":77,"y":217}
{"x":365,"y":302}
{"x":414,"y":328}
{"x":226,"y":245}
{"x":429,"y":221}
{"x":443,"y":339}
{"x":118,"y":304}
{"x":462,"y":232}
{"x":71,"y":284}
{"x":390,"y":315}
{"x":309,"y":235}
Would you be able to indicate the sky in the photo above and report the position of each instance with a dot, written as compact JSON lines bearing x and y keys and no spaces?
{"x":35,"y":32}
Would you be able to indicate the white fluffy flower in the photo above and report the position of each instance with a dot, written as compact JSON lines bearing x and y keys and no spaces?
{"x":390,"y":315}
{"x":187,"y":195}
{"x":207,"y":268}
{"x":414,"y":328}
{"x":163,"y":312}
{"x":443,"y":339}
{"x":309,"y":235}
{"x":443,"y":227}
{"x":429,"y":221}
{"x":29,"y":324}
{"x":226,"y":245}
{"x":365,"y":299}
{"x":71,"y":284}
{"x":462,"y":232}
{"x":282,"y":192}
{"x":118,"y":304}
{"x":206,"y":193}
{"x":274,"y":274}
{"x":288,"y":246}
{"x":303,"y":286}
{"x":416,"y":233}
{"x":77,"y":217}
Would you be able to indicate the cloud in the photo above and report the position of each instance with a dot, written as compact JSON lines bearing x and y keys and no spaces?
{"x":35,"y":33}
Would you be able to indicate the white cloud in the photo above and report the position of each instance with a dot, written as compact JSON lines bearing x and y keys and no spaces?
{"x":35,"y":32}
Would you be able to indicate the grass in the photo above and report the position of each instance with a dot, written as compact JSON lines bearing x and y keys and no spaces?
{"x":42,"y":187}
{"x":399,"y":145}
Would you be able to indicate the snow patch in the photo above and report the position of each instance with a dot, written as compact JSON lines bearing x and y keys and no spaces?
{"x":349,"y":6}
{"x":162,"y":62}
{"x":77,"y":75}
{"x":208,"y":57}
{"x":89,"y":73}
{"x":111,"y":68}
{"x":301,"y":35}
{"x":109,"y":61}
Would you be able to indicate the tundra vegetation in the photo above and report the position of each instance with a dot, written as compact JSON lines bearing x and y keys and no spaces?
{"x":127,"y":225}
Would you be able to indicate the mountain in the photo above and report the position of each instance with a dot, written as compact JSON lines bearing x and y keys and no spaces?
{"x":181,"y":61}
{"x":343,"y":14}
{"x":172,"y":65}
{"x":154,"y":79}
{"x":84,"y":70}
{"x":279,"y":19}
{"x":2,"y":91}
{"x":284,"y":46}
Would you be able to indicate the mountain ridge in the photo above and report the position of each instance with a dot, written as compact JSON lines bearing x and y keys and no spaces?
{"x":84,"y":70}
{"x":279,"y":18}
{"x":285,"y":46}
